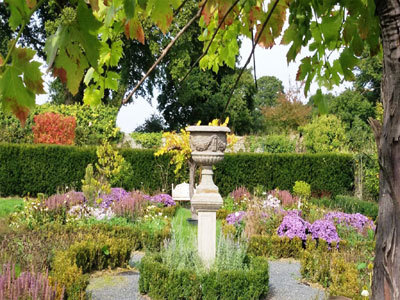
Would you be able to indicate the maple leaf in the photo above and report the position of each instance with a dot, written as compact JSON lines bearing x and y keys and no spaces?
{"x":31,"y":69}
{"x":209,"y":10}
{"x":19,"y":11}
{"x":15,"y":96}
{"x":223,"y":7}
{"x":69,"y":66}
{"x":134,"y":30}
{"x":254,"y":14}
{"x":274,"y":26}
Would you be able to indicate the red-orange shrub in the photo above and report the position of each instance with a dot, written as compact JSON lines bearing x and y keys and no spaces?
{"x":52,"y":128}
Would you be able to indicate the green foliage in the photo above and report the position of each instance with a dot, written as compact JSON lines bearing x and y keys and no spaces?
{"x":324,"y":134}
{"x":331,"y":173}
{"x":302,"y":189}
{"x":273,"y":143}
{"x":93,"y":124}
{"x":91,"y":187}
{"x":350,"y":105}
{"x":151,"y":140}
{"x":161,"y":282}
{"x":349,"y":205}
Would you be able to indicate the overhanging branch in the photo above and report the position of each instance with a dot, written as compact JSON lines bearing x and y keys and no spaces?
{"x":164,"y":52}
{"x":251,"y":54}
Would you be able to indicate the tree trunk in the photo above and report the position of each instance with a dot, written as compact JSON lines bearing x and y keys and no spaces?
{"x":386,"y":274}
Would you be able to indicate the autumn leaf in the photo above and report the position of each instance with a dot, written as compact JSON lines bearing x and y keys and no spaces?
{"x":134,"y":30}
{"x":209,"y":10}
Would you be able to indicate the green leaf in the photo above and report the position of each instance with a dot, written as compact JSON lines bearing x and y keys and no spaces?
{"x":357,"y":44}
{"x":321,"y":102}
{"x":19,"y":12}
{"x":105,"y":250}
{"x":14,"y":96}
{"x":92,"y":96}
{"x":129,"y":7}
{"x":116,"y":52}
{"x":348,"y":61}
{"x":53,"y":43}
{"x":361,"y":266}
{"x":112,"y":80}
{"x":330,"y":27}
{"x":87,"y":31}
{"x":304,"y":68}
{"x":161,"y":14}
{"x":88,"y":76}
{"x":32,"y":76}
{"x":69,"y":66}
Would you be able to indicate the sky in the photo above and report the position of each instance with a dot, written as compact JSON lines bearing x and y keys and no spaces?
{"x":271,"y":62}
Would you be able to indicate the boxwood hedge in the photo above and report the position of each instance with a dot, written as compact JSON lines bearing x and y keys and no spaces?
{"x":31,"y":169}
{"x":160,"y":282}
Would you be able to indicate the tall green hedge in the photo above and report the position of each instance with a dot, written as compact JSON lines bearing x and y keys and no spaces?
{"x":45,"y":168}
{"x":333,"y":173}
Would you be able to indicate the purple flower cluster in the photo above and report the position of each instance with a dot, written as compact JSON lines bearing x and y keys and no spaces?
{"x":115,"y":195}
{"x":164,"y":199}
{"x":358,"y":221}
{"x":68,"y":200}
{"x":27,"y":286}
{"x":292,"y":225}
{"x":324,"y":229}
{"x":235,"y":218}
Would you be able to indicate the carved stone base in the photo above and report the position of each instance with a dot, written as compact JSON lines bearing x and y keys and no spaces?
{"x":207,"y":197}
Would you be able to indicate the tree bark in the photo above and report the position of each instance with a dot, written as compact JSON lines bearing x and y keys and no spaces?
{"x":386,"y":273}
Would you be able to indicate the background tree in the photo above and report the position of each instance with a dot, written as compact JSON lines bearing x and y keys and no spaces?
{"x":154,"y":123}
{"x":268,"y":90}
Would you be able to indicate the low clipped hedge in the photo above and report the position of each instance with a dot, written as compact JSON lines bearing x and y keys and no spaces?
{"x":32,"y":169}
{"x":160,"y":282}
{"x":284,"y":247}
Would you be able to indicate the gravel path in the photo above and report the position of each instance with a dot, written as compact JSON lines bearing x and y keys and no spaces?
{"x":284,"y":285}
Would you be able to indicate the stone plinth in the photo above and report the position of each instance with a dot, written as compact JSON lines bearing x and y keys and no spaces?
{"x":208,"y":144}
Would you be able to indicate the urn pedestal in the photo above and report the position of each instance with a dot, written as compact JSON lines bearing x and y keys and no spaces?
{"x":208,"y":144}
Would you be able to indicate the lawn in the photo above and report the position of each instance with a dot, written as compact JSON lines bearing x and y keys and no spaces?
{"x":9,"y":205}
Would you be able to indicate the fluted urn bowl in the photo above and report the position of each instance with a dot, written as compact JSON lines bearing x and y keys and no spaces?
{"x":208,"y":144}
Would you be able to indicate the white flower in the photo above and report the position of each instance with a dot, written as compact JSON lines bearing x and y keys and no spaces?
{"x":237,"y":214}
{"x":365,"y":293}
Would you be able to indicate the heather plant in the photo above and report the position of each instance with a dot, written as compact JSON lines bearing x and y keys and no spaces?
{"x":286,"y":198}
{"x":240,"y":196}
{"x":28,"y":285}
{"x":131,"y":206}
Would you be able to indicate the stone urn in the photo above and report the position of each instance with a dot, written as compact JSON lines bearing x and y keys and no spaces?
{"x":208,"y":144}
